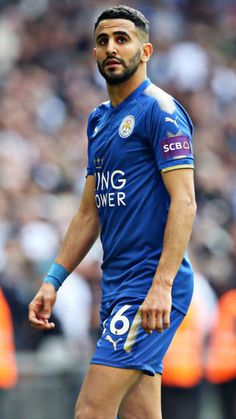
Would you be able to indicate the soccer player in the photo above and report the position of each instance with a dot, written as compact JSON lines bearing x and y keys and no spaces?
{"x":139,"y":196}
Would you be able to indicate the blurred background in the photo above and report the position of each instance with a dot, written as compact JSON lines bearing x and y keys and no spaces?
{"x":48,"y":85}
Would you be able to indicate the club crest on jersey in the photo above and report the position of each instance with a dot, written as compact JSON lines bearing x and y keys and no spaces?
{"x":127,"y":126}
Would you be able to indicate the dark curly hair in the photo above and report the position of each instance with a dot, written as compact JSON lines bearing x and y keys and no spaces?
{"x":128,"y":13}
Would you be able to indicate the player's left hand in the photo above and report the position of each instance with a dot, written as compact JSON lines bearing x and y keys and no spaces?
{"x":155,"y":310}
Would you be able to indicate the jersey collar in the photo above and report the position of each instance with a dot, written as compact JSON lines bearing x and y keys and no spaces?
{"x":132,"y":95}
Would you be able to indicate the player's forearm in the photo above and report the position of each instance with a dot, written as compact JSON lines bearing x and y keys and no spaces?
{"x":176,"y":238}
{"x":82,"y":233}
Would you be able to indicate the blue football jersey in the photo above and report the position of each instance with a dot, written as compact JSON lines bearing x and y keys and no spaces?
{"x":128,"y":147}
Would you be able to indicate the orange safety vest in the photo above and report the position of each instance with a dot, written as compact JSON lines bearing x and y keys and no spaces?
{"x":221,"y":359}
{"x":183,"y":361}
{"x":8,"y":368}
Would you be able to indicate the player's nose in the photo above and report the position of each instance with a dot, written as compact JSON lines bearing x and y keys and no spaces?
{"x":111,"y":47}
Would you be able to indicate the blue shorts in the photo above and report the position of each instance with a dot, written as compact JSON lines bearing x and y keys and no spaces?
{"x":124,"y":343}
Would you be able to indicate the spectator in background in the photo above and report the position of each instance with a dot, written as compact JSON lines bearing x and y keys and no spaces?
{"x":221,"y":359}
{"x":8,"y":366}
{"x":73,"y":308}
{"x":184,"y":370}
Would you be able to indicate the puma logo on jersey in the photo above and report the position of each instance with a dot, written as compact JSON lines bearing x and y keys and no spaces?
{"x":167,"y":119}
{"x":114,"y":343}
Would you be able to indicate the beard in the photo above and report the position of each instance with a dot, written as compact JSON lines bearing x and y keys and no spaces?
{"x":129,"y":69}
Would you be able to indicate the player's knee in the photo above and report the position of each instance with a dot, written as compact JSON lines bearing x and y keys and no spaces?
{"x":88,"y":411}
{"x":84,"y":412}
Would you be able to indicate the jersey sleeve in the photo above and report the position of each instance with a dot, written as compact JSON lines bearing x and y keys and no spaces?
{"x":170,"y":133}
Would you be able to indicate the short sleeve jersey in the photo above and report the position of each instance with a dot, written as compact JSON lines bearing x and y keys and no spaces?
{"x":128,"y":147}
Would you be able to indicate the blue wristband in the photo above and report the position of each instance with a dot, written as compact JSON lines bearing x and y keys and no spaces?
{"x":56,"y":275}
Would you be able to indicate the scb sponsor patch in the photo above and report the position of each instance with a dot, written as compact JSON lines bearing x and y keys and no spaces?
{"x":176,"y":147}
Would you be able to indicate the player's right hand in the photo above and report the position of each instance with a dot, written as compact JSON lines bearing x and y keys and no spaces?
{"x":40,"y":308}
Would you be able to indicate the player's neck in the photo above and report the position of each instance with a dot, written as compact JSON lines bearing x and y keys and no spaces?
{"x":120,"y":92}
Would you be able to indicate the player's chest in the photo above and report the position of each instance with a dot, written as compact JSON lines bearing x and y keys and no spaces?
{"x":119,"y":136}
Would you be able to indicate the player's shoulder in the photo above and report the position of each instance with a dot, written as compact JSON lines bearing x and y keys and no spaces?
{"x":99,"y":110}
{"x":159,"y":98}
{"x":164,"y":106}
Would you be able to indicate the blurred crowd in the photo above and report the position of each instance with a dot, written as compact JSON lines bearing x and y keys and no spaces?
{"x":48,"y":85}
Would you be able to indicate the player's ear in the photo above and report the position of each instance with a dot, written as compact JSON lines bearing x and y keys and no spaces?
{"x":147,"y":50}
{"x":95,"y":53}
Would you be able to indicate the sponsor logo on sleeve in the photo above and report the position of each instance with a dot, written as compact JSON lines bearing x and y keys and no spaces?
{"x":176,"y":147}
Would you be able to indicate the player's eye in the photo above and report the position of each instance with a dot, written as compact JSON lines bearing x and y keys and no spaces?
{"x":121,"y":39}
{"x":102,"y":41}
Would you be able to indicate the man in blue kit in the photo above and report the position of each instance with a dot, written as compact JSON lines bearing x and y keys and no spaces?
{"x":139,"y":196}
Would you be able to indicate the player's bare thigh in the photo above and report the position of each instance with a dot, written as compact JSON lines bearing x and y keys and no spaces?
{"x":143,"y":400}
{"x":102,"y":391}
